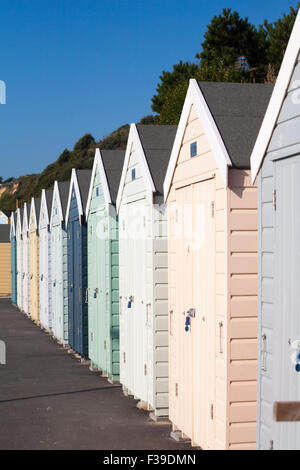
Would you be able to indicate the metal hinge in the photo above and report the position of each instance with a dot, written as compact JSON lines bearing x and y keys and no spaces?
{"x":274,"y":201}
{"x":212,"y":411}
{"x":212,"y":208}
{"x":92,"y":336}
{"x":271,"y":445}
{"x":145,"y":369}
{"x":176,"y":390}
{"x":104,"y":344}
{"x":124,"y":357}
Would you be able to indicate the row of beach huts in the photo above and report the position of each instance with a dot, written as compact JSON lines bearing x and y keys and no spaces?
{"x":174,"y":266}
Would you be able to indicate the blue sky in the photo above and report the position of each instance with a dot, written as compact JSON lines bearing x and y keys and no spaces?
{"x":77,"y":66}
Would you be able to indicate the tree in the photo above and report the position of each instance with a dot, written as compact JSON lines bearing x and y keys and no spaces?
{"x":84,"y":142}
{"x":170,"y":80}
{"x":277,"y":36}
{"x":230,"y":37}
{"x":174,"y":99}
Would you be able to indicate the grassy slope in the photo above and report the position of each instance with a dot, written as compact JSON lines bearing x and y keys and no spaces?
{"x":81,"y":157}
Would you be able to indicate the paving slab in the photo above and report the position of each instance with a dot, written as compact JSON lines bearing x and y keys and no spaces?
{"x":49,"y":400}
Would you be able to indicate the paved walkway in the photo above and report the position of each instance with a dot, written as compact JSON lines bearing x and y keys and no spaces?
{"x":48,"y":400}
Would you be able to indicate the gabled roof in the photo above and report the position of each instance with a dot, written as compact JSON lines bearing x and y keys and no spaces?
{"x":80,"y":181}
{"x":238,"y":110}
{"x":231,"y":114}
{"x":276,"y":102}
{"x":19,"y":220}
{"x":35,"y":210}
{"x":61,"y":191}
{"x":46,"y":201}
{"x":13,"y":224}
{"x":153,"y":144}
{"x":109,"y":164}
{"x":26,"y":216}
{"x":4,"y":233}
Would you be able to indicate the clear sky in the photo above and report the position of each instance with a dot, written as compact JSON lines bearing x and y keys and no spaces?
{"x":78,"y":66}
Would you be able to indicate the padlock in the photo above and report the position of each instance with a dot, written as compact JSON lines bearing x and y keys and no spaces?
{"x":187,"y":323}
{"x":130,"y":301}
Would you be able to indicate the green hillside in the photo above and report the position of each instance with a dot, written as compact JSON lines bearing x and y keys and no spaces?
{"x":81,"y":157}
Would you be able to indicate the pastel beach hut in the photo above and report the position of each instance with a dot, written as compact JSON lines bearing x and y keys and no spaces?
{"x":59,"y":262}
{"x":103,"y":263}
{"x":77,"y":262}
{"x":143,"y":267}
{"x":34,"y":260}
{"x":275,"y":163}
{"x":13,"y":244}
{"x":45,"y":260}
{"x":19,"y":256}
{"x":5,"y":264}
{"x":25,"y":259}
{"x":212,"y":209}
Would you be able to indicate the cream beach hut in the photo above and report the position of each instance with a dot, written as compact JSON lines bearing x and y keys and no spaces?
{"x":212,"y":209}
{"x":19,"y":257}
{"x":34,"y":266}
{"x":25,"y":259}
{"x":5,"y":264}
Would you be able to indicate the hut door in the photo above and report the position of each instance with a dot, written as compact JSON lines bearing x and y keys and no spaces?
{"x":287,"y":321}
{"x":196,"y":311}
{"x":102,"y":291}
{"x":77,"y":267}
{"x":184,"y":300}
{"x":203,"y":324}
{"x":93,"y":282}
{"x":71,"y":280}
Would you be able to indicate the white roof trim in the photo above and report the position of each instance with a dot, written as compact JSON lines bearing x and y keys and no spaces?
{"x":43,"y":203}
{"x":74,"y":183}
{"x":98,"y":163}
{"x":25,"y":226}
{"x":134,"y":140}
{"x":19,"y":223}
{"x":33,"y":209}
{"x":195,"y":97}
{"x":12,"y":225}
{"x":277,"y":98}
{"x":56,"y":196}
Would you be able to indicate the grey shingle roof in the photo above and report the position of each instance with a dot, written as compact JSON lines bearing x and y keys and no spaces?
{"x":37,"y":203}
{"x":4,"y":233}
{"x":84,"y":179}
{"x":157,"y":142}
{"x":21,"y":217}
{"x":113,"y":161}
{"x":28,"y":205}
{"x":63,"y":188}
{"x":238,"y":110}
{"x":49,"y":197}
{"x":15,"y":219}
